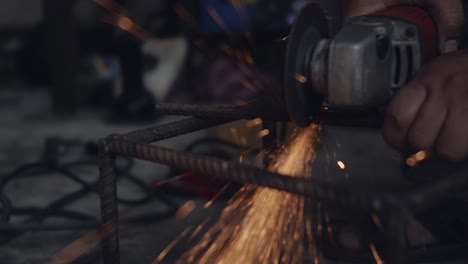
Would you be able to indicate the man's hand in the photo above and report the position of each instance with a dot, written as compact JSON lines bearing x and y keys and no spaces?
{"x":431,"y":113}
{"x":447,"y":13}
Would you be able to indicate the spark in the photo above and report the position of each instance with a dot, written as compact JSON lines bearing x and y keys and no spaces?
{"x":417,"y":158}
{"x":118,"y":18}
{"x":420,"y":156}
{"x":239,"y":8}
{"x":186,"y":209}
{"x":262,"y":225}
{"x":254,"y":122}
{"x":166,"y":251}
{"x":199,"y":228}
{"x":250,"y":60}
{"x":173,"y":179}
{"x":80,"y":246}
{"x":247,"y":84}
{"x":263,"y":133}
{"x":377,"y":258}
{"x":125,"y":23}
{"x":377,"y":221}
{"x":285,"y":38}
{"x":412,"y":162}
{"x":300,"y":78}
{"x":210,"y":202}
{"x":219,"y":20}
{"x":341,"y":164}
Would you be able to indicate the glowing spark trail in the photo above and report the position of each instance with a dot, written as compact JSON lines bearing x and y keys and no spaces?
{"x":341,"y":165}
{"x":219,"y":20}
{"x":255,"y":122}
{"x":262,"y":225}
{"x":173,"y":179}
{"x":377,"y":258}
{"x":171,"y":246}
{"x":185,"y":209}
{"x":417,"y":158}
{"x":263,"y":133}
{"x":210,"y":202}
{"x":80,"y":246}
{"x":300,"y":78}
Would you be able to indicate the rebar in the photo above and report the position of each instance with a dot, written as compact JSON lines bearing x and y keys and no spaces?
{"x":242,"y":174}
{"x":6,"y":208}
{"x":396,"y":206}
{"x":173,"y":129}
{"x":433,"y":193}
{"x":230,"y":112}
{"x":271,"y":112}
{"x":109,"y":210}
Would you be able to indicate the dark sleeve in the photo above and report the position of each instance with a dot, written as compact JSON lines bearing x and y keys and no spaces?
{"x":464,"y":36}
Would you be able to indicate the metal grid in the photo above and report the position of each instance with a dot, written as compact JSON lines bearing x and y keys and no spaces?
{"x":396,"y":207}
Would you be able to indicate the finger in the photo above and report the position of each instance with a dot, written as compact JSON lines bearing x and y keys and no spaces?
{"x":452,"y":143}
{"x":401,"y":113}
{"x":449,"y":17}
{"x":429,"y":120}
{"x":448,"y":14}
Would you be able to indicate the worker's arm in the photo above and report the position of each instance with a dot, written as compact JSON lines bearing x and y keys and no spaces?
{"x":431,"y":112}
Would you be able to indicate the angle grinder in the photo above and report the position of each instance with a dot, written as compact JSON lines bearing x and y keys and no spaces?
{"x":355,"y":73}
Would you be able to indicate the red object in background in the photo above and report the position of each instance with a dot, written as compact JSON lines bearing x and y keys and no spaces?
{"x":423,"y":20}
{"x":194,"y":184}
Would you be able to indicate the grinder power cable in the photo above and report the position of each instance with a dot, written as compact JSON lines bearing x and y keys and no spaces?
{"x":357,"y":71}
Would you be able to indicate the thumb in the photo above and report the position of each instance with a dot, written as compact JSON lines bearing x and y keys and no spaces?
{"x":449,"y":16}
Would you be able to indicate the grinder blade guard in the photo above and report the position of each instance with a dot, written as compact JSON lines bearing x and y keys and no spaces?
{"x":302,"y":99}
{"x":361,"y":67}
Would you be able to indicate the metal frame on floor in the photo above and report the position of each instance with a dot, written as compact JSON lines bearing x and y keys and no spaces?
{"x":396,"y":207}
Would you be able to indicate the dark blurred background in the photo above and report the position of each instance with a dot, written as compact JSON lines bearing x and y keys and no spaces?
{"x":123,"y":56}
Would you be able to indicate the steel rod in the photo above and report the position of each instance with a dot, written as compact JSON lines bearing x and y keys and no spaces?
{"x":109,"y":209}
{"x":217,"y":168}
{"x":436,"y":191}
{"x":231,"y":112}
{"x":171,"y":130}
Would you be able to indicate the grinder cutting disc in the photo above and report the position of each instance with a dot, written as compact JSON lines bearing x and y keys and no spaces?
{"x":301,"y":100}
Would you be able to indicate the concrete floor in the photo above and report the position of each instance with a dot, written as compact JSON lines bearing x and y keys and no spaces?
{"x":26,"y":122}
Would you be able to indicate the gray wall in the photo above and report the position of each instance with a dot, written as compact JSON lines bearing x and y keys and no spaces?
{"x":19,"y":13}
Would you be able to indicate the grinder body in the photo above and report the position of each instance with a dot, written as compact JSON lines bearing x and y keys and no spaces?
{"x":361,"y":67}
